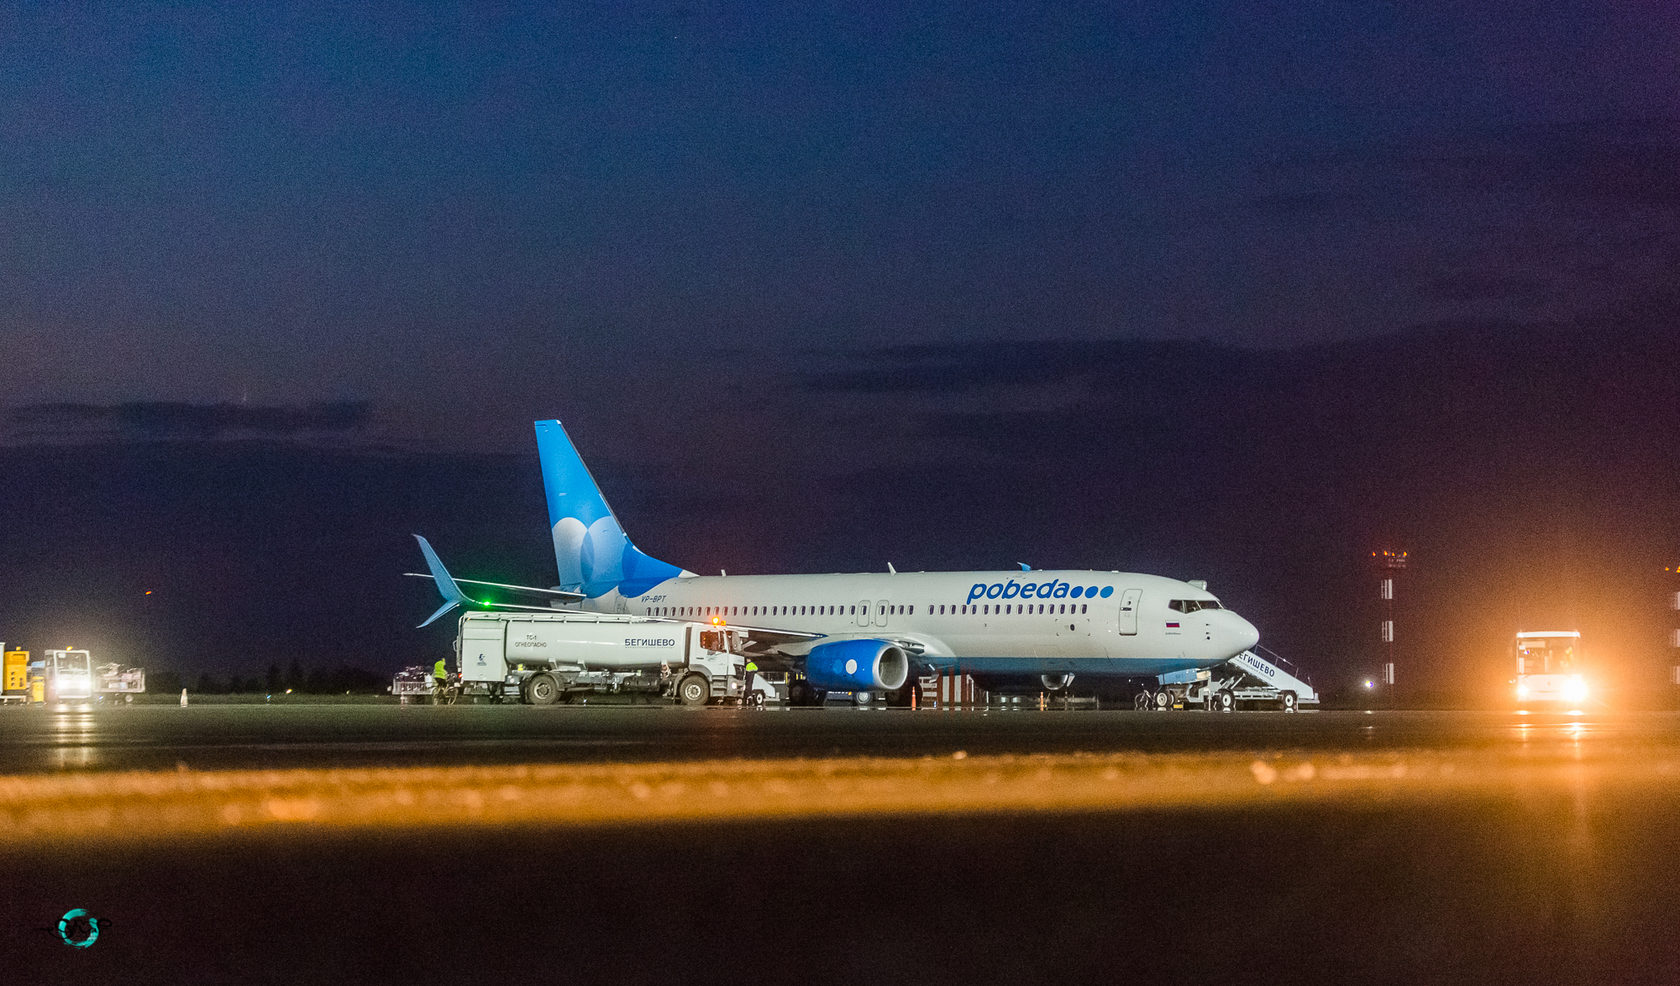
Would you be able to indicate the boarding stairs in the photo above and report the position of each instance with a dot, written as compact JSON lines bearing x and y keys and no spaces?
{"x":1256,"y":678}
{"x":1276,"y":671}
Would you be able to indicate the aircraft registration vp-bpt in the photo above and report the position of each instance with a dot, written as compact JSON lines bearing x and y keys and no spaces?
{"x":877,"y":631}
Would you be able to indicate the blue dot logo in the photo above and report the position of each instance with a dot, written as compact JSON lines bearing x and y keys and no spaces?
{"x":1107,"y":591}
{"x":1077,"y":592}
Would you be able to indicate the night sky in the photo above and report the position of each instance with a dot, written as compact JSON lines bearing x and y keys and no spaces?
{"x":828,"y":286}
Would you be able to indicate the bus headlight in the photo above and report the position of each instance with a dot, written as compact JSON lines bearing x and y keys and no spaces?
{"x":1575,"y":690}
{"x":1522,"y":689}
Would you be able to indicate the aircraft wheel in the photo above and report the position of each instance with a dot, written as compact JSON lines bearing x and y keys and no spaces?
{"x":542,"y":689}
{"x":1163,"y":700}
{"x":1286,"y":701}
{"x":694,"y":691}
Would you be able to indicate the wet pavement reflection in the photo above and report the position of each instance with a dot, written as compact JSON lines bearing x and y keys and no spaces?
{"x":226,"y":737}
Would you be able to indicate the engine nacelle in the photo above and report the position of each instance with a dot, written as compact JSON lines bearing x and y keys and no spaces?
{"x":856,"y":666}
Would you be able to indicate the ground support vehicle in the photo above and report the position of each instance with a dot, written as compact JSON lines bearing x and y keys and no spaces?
{"x":68,"y":675}
{"x":417,"y":684}
{"x":412,"y":684}
{"x":1248,"y":680}
{"x":1548,"y":669}
{"x":543,"y":658}
{"x":16,"y":683}
{"x":115,"y":682}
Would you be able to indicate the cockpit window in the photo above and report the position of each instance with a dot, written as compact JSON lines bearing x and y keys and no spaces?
{"x":1192,"y":605}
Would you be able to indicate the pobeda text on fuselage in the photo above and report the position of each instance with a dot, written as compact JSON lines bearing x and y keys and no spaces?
{"x":878,"y":631}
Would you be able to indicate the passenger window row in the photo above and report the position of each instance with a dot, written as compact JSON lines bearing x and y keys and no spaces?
{"x":984,"y":609}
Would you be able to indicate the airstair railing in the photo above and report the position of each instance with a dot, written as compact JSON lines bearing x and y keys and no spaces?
{"x":1282,"y":662}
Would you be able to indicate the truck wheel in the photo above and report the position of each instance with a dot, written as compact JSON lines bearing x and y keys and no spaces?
{"x":1163,"y":700}
{"x":694,"y":690}
{"x":542,"y":689}
{"x":1286,"y":701}
{"x":1227,"y":701}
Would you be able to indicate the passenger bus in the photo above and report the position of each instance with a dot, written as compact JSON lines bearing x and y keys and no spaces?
{"x":1548,"y":669}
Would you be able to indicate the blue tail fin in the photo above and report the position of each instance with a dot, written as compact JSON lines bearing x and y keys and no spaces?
{"x":590,"y":549}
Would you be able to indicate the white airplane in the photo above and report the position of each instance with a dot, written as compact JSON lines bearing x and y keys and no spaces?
{"x":877,"y":631}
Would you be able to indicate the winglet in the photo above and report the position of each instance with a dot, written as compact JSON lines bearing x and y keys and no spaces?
{"x":1024,"y":566}
{"x":451,"y":593}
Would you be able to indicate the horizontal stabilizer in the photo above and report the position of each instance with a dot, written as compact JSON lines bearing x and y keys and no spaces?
{"x":558,"y":595}
{"x":453,"y":595}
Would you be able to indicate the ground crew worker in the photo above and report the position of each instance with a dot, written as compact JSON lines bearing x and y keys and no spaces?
{"x":440,"y":677}
{"x":747,"y":683}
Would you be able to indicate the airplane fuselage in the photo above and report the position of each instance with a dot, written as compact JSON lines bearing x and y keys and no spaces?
{"x":1110,"y":624}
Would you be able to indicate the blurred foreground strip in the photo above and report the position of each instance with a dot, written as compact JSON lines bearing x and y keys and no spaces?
{"x":38,"y":810}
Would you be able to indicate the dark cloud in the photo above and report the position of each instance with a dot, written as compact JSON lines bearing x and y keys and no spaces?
{"x":174,"y":421}
{"x":1034,"y":363}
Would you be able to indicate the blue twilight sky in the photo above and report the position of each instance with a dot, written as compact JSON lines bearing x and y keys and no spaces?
{"x":510,"y":206}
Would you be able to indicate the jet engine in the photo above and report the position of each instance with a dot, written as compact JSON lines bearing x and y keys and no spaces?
{"x":856,"y":666}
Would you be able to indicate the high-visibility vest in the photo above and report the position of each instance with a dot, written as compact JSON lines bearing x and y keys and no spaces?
{"x":751,"y":666}
{"x":440,"y":671}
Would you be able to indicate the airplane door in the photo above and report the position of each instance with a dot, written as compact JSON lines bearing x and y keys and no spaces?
{"x":863,"y":613}
{"x":883,"y":609}
{"x":1128,"y":610}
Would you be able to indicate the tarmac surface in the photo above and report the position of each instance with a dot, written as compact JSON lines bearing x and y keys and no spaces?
{"x":631,"y":844}
{"x":228,"y":737}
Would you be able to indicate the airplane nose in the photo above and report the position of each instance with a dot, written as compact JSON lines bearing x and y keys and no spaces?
{"x":1247,"y":635}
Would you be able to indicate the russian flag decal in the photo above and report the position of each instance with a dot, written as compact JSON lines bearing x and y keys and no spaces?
{"x":1172,"y":626}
